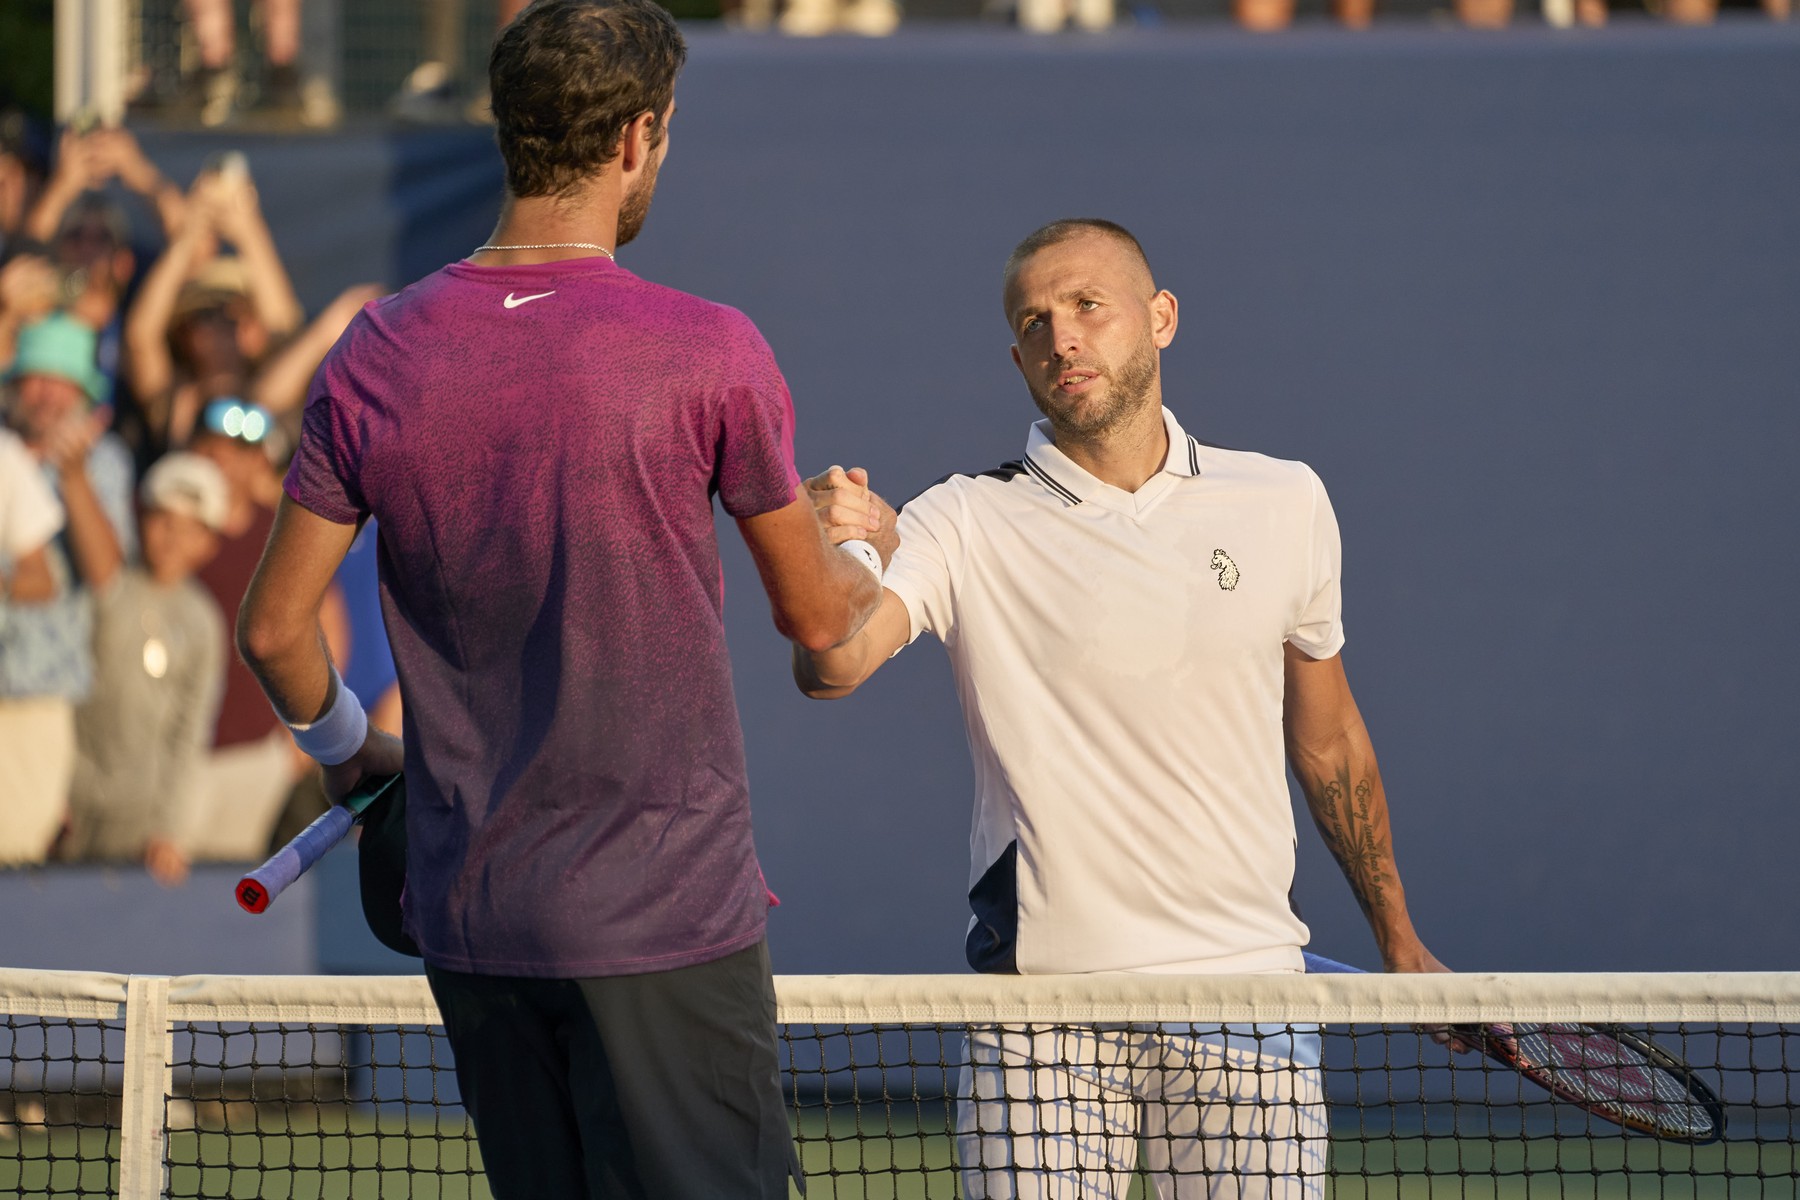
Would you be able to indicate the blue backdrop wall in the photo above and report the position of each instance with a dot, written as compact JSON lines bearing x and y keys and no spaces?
{"x":1529,"y":303}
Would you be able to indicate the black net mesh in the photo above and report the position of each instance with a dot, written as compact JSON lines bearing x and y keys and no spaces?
{"x":289,"y":1112}
{"x":59,"y":1111}
{"x":1177,"y":1110}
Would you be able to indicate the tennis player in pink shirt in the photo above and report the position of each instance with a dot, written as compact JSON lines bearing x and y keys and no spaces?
{"x":540,"y":435}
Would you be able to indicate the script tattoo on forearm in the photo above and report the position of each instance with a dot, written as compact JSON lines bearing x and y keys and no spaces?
{"x":1350,"y":831}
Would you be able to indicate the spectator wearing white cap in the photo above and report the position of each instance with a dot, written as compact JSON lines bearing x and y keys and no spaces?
{"x":46,"y":657}
{"x":143,"y":733}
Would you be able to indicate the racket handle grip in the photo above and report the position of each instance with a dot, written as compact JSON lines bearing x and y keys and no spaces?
{"x":257,"y":890}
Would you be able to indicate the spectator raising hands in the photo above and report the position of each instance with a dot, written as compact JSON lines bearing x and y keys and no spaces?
{"x":202,"y":323}
{"x":89,"y":160}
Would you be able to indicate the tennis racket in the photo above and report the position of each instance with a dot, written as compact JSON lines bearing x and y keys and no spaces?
{"x":257,"y":890}
{"x":1610,"y":1072}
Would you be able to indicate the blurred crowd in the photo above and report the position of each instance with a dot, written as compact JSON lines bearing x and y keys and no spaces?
{"x":154,"y":360}
{"x":285,"y":79}
{"x":810,"y":18}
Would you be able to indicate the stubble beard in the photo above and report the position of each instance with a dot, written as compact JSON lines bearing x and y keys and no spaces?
{"x":1128,"y":393}
{"x":636,"y":207}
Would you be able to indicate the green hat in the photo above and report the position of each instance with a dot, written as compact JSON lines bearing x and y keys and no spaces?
{"x":61,"y":346}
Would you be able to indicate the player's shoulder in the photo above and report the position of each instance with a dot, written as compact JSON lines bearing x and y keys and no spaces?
{"x":376,"y":320}
{"x":716,"y":342}
{"x":658,"y":304}
{"x":962,"y":488}
{"x":1252,"y":468}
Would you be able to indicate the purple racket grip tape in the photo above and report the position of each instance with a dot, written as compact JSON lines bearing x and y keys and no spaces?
{"x":259,"y":888}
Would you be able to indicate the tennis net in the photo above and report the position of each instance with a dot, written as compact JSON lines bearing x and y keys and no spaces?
{"x":1077,"y":1086}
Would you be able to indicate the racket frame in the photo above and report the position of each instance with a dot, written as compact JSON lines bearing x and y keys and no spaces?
{"x":1501,"y":1047}
{"x":1496,"y":1045}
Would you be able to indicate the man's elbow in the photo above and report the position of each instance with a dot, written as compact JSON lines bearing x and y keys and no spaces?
{"x":815,"y":628}
{"x":263,"y":637}
{"x":816,"y":637}
{"x":814,"y":689}
{"x":812,"y":683}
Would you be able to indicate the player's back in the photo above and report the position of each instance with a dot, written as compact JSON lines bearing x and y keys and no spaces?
{"x":540,"y":446}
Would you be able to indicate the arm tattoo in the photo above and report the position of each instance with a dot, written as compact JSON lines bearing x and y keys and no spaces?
{"x":1345,"y":820}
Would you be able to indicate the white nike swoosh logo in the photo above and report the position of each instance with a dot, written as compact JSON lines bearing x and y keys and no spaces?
{"x":513,"y":301}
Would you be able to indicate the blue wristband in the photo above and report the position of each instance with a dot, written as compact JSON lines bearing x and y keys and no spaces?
{"x":339,"y":733}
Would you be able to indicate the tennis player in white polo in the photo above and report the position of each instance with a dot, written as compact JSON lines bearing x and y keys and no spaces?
{"x":1143,"y":629}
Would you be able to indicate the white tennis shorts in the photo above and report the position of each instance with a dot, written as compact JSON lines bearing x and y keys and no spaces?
{"x":1220,"y":1112}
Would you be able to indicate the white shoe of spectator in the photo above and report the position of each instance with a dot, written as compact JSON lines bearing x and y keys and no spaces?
{"x":871,"y":18}
{"x":319,"y":107}
{"x":754,"y":15}
{"x":1042,"y":16}
{"x":809,"y":18}
{"x":218,"y":98}
{"x":1093,"y":14}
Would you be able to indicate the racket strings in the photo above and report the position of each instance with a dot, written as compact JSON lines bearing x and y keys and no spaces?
{"x":1614,"y":1073}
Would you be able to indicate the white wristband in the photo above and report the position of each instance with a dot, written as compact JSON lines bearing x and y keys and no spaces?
{"x":339,"y":733}
{"x":865,"y":554}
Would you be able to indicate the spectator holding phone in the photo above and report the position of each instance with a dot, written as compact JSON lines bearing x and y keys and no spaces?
{"x":89,"y":156}
{"x":202,"y":322}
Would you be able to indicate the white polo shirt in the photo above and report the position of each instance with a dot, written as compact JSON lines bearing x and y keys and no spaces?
{"x":1119,"y":660}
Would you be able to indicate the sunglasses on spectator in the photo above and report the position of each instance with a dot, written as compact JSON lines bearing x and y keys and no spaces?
{"x":238,"y":419}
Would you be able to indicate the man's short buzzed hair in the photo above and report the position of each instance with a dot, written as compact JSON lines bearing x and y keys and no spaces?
{"x":1072,"y":227}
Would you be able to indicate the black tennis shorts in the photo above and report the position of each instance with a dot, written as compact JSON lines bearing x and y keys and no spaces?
{"x":663,"y":1086}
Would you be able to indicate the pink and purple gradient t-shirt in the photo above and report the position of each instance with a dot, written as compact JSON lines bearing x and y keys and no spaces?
{"x":541,"y":445}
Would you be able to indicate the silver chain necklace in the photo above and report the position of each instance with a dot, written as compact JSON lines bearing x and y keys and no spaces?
{"x":550,"y":246}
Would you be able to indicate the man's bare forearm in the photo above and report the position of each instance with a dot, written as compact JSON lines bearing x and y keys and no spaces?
{"x":1352,"y":818}
{"x":1329,"y":748}
{"x":1344,"y":794}
{"x":295,"y":677}
{"x":278,"y":631}
{"x":829,"y":674}
{"x":835,"y":671}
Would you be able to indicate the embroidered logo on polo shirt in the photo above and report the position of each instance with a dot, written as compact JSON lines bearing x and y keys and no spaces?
{"x":1228,"y":571}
